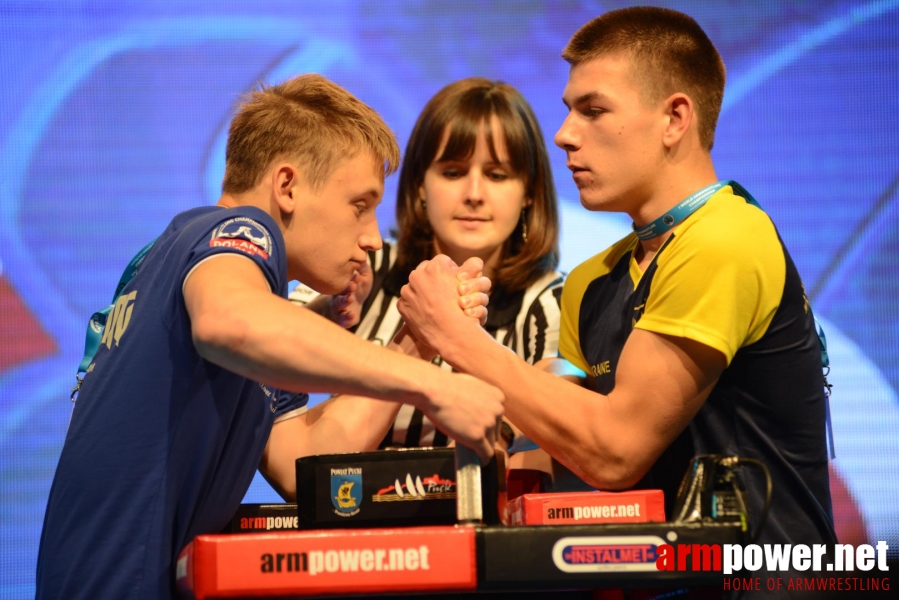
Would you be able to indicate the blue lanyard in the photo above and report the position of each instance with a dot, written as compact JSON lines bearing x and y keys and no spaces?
{"x":687,"y":207}
{"x":97,"y":323}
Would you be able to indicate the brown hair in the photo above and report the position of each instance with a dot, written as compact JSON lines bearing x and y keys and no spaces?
{"x":309,"y":119}
{"x":670,"y":51}
{"x":458,"y":110}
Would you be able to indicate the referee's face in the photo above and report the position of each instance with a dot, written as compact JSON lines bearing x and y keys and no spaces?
{"x":474,"y":203}
{"x":334,"y":226}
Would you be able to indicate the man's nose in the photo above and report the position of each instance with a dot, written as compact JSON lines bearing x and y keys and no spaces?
{"x":567,"y":137}
{"x":371,"y":238}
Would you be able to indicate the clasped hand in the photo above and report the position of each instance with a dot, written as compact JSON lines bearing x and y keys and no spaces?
{"x":465,"y":283}
{"x":437,"y":289}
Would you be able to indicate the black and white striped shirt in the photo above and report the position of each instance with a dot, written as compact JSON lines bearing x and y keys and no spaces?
{"x":526,"y":322}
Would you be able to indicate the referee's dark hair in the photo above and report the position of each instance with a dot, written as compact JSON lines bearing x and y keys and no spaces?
{"x":458,"y":111}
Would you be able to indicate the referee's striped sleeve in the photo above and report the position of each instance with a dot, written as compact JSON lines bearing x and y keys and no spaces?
{"x":540,"y":331}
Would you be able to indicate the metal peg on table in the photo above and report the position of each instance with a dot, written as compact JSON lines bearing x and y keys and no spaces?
{"x":469,"y":498}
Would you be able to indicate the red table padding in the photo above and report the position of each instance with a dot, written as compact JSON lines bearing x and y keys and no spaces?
{"x":333,"y":562}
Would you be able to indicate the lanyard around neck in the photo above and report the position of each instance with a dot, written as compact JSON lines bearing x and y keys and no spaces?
{"x":687,"y":207}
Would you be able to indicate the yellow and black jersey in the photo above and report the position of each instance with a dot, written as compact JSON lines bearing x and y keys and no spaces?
{"x":725,"y":279}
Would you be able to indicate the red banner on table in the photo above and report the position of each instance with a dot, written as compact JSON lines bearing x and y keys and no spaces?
{"x":329,"y":562}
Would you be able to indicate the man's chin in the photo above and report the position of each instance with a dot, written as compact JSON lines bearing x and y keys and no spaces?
{"x":598,"y":202}
{"x":336,"y":288}
{"x":592,"y":203}
{"x":328,"y":287}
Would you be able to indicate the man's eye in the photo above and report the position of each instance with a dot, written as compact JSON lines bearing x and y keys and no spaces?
{"x":361,"y":208}
{"x":595,"y":112}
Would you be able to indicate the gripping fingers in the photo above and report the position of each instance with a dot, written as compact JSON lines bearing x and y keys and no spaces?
{"x":478,"y":312}
{"x":473,"y":285}
{"x":482,"y":443}
{"x":471,"y":268}
{"x":484,"y":450}
{"x":473,"y":298}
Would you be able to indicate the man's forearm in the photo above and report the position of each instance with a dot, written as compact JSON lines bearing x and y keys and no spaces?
{"x":612,"y":440}
{"x":284,"y":348}
{"x":343,"y":423}
{"x":562,"y":417}
{"x":352,"y":423}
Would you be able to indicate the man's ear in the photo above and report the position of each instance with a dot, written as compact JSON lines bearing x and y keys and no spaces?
{"x":286,"y":186}
{"x":680,"y":116}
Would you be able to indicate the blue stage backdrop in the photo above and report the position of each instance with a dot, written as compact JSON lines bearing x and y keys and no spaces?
{"x":113,"y":119}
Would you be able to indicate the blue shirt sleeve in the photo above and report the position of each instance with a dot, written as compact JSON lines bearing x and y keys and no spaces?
{"x":250,"y":232}
{"x":290,"y":401}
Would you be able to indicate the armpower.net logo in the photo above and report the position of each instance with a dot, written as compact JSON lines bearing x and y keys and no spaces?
{"x":315,"y":562}
{"x":765,"y":567}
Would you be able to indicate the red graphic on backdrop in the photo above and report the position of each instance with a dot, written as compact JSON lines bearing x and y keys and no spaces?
{"x":23,"y":338}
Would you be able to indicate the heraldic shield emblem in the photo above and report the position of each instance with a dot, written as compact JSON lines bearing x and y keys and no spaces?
{"x":346,"y":491}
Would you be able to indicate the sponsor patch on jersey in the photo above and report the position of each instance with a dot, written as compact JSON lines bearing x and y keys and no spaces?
{"x":244,"y":234}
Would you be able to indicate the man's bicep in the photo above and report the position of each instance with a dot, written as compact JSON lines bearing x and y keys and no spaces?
{"x":216,"y":277}
{"x":288,"y":440}
{"x":661,"y":382}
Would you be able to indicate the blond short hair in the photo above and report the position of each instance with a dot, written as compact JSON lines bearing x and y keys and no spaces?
{"x":308,"y":119}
